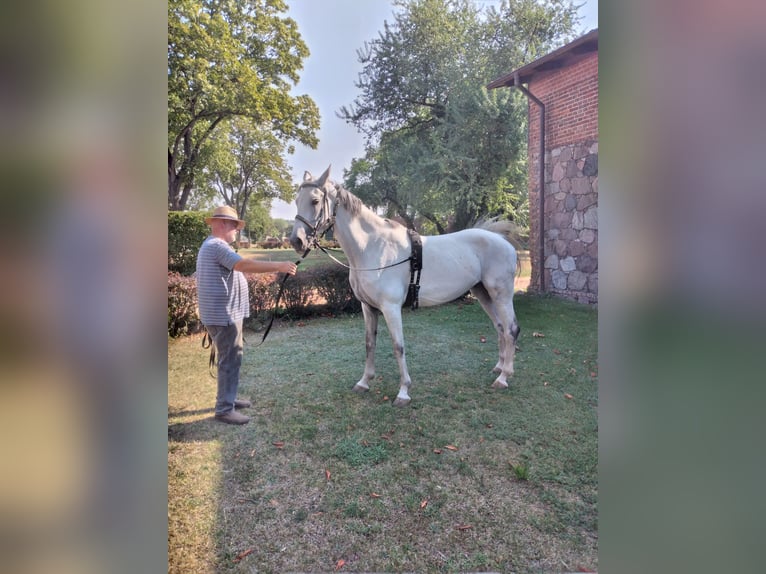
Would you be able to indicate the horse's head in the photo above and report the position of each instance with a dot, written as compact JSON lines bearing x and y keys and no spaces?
{"x":314,"y":216}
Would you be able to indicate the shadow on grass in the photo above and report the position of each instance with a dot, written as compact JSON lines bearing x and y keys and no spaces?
{"x":197,"y":430}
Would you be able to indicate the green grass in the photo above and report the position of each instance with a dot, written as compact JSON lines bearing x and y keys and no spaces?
{"x":391,"y":502}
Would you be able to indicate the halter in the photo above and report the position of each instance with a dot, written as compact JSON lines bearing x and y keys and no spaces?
{"x":323,"y":223}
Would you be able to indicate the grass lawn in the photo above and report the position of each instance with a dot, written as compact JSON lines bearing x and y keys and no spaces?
{"x":467,"y":478}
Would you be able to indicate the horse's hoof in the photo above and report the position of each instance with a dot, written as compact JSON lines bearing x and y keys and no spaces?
{"x":497,"y":370}
{"x":401,"y":402}
{"x":498,"y":384}
{"x":360,"y":389}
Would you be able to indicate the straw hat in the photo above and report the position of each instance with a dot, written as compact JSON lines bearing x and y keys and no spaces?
{"x":225,"y":212}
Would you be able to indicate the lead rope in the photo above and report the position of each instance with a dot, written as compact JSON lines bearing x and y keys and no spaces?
{"x":207,"y":342}
{"x":279,"y":296}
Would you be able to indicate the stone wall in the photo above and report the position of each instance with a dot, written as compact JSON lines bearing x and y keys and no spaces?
{"x":571,"y":221}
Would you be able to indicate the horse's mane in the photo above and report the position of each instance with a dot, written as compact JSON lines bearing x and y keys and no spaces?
{"x":348,"y":200}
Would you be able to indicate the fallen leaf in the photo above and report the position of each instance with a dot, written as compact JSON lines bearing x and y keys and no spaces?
{"x":437,"y":451}
{"x":279,"y":444}
{"x":592,"y":374}
{"x":536,"y":334}
{"x":327,"y":474}
{"x":385,"y":437}
{"x":568,"y":396}
{"x":365,"y":442}
{"x":339,"y":564}
{"x":252,"y":453}
{"x":451,"y":447}
{"x":374,"y":495}
{"x":424,"y":503}
{"x":385,"y":398}
{"x":483,"y":339}
{"x":241,"y":555}
{"x":556,"y":352}
{"x":464,"y":526}
{"x":489,"y":425}
{"x":545,"y":384}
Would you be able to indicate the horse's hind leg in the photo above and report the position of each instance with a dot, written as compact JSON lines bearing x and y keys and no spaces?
{"x":370,"y":341}
{"x":504,"y":305}
{"x":498,"y":304}
{"x":486,"y":303}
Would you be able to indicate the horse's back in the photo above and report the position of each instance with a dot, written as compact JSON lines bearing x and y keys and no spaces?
{"x":475,"y":242}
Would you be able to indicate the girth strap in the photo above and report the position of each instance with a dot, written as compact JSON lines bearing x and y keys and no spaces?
{"x":416,"y":265}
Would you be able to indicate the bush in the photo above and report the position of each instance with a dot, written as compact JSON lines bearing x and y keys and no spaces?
{"x":298,"y":292}
{"x":186,"y":232}
{"x":299,"y":298}
{"x":263,"y":289}
{"x":332,"y":284}
{"x":183,"y":318}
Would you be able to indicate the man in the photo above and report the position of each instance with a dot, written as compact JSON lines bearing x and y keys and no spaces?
{"x":224,"y":303}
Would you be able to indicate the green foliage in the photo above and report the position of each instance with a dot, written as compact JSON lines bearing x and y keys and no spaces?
{"x":442,"y":149}
{"x":183,"y":318}
{"x":332,"y":284}
{"x":226,"y":60}
{"x":186,"y":232}
{"x":521,"y":471}
{"x":245,"y":166}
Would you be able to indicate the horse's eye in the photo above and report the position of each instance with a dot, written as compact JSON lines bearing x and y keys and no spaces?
{"x":315,"y":201}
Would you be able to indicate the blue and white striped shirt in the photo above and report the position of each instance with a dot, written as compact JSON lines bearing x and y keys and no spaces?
{"x":221,"y":292}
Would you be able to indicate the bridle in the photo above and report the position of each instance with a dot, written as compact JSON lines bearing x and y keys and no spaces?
{"x":324,"y":222}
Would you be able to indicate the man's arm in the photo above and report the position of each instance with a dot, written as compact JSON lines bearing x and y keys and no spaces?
{"x":256,"y":266}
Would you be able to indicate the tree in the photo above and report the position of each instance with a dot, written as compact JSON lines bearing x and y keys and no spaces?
{"x":440,"y":147}
{"x":244,"y":163}
{"x":230,"y":59}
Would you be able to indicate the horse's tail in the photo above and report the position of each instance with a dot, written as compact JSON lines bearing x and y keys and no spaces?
{"x":508,"y":229}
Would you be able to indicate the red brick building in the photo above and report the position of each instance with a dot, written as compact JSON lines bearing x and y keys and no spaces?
{"x":562,"y":90}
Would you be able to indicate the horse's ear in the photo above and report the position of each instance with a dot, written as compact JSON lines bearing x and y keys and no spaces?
{"x":307,"y":176}
{"x":323,"y":178}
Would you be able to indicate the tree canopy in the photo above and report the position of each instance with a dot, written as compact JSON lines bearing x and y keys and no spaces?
{"x":245,"y":165}
{"x":440,"y":147}
{"x":231,"y":59}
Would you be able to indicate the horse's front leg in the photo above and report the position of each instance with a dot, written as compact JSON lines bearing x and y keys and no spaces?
{"x":393,"y":316}
{"x":370,"y":341}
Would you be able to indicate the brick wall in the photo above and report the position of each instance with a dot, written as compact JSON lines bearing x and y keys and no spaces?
{"x":570,"y":96}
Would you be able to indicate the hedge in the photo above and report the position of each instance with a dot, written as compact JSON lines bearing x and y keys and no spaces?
{"x":311,"y":292}
{"x":186,"y":232}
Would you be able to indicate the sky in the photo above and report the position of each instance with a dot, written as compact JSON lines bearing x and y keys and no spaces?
{"x":333,"y":31}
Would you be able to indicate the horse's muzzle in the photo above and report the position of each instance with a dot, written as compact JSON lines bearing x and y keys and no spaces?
{"x":299,"y":243}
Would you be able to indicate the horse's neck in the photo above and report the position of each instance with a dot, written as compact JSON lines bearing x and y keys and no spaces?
{"x":355,"y":232}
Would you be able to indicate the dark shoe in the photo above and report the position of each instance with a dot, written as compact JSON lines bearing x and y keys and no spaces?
{"x":233,"y":418}
{"x":242,"y":404}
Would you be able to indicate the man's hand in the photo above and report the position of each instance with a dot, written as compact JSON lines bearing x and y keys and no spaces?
{"x":288,"y":267}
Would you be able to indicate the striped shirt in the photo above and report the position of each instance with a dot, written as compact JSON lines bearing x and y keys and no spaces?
{"x":221,"y":292}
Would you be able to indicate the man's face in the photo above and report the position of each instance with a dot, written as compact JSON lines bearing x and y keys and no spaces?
{"x":227,"y":230}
